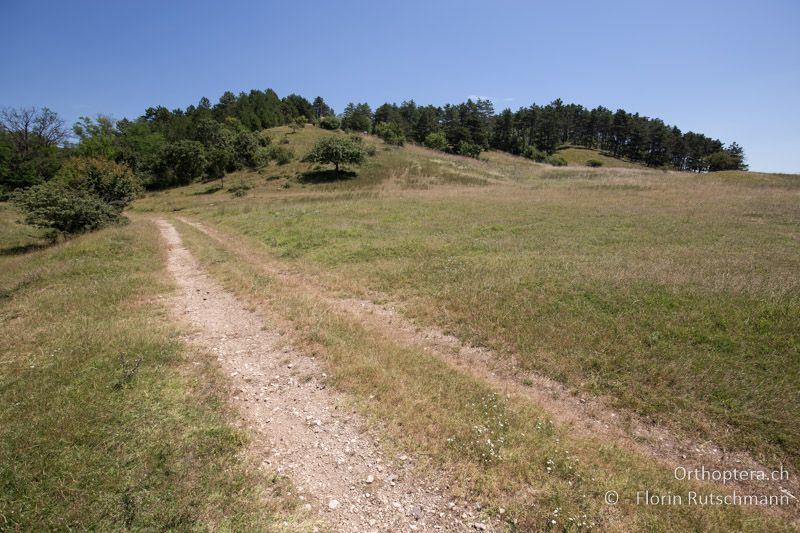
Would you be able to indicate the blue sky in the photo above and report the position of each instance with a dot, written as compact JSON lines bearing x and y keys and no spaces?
{"x":728,"y":69}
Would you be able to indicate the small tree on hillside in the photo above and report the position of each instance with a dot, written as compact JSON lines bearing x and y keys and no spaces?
{"x":731,"y":158}
{"x":184,"y":162}
{"x":336,"y":151}
{"x":218,"y":161}
{"x":298,"y":124}
{"x":330,"y":122}
{"x":436,"y":140}
{"x":391,"y":133}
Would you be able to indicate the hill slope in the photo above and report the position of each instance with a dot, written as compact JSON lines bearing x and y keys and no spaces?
{"x":519,"y":340}
{"x":579,"y":156}
{"x":636,"y":287}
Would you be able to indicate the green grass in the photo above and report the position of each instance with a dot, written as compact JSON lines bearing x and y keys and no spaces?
{"x":408,"y":168}
{"x":107,"y":420}
{"x":691,"y":317}
{"x":545,"y":476}
{"x":16,"y":237}
{"x":673,"y":295}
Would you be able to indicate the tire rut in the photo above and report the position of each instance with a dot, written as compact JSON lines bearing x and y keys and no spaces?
{"x":298,"y":426}
{"x":585,"y":416}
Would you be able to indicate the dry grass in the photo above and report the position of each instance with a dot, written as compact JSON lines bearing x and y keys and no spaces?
{"x":500,"y":450}
{"x":579,"y":156}
{"x":107,"y":420}
{"x":16,"y":237}
{"x":675,"y":295}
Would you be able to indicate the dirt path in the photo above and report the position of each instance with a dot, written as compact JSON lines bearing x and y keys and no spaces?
{"x":589,"y":417}
{"x":298,"y":426}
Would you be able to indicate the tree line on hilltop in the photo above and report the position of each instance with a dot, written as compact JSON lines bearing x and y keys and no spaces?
{"x":165,"y":148}
{"x":538,"y":131}
{"x":173,"y":147}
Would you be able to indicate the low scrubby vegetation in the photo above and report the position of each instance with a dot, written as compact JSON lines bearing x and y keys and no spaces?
{"x":542,"y":157}
{"x":280,"y":154}
{"x":330,"y":122}
{"x":390,"y":133}
{"x":86,"y":194}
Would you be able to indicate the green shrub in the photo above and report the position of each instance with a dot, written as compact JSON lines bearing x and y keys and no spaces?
{"x":278,"y":153}
{"x":594,"y":163}
{"x":239,"y":189}
{"x":468,"y":149}
{"x":556,"y":161}
{"x":282,"y":155}
{"x":391,"y":133}
{"x":298,"y":124}
{"x":86,"y":194}
{"x":218,"y":161}
{"x":64,"y":210}
{"x":541,"y":157}
{"x":536,"y":155}
{"x":330,"y":122}
{"x":264,"y":155}
{"x":114,"y":183}
{"x":436,"y":140}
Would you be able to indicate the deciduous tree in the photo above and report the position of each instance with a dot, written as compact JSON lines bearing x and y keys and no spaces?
{"x":336,"y":151}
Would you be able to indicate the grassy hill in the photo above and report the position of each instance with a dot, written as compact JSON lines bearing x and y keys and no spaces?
{"x":409,"y":167}
{"x":665,"y":296}
{"x":624,"y":282}
{"x":579,"y":156}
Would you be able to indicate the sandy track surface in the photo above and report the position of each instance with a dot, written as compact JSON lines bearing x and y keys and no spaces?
{"x":299,"y":427}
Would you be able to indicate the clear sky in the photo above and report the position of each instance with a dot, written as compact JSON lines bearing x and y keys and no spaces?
{"x":728,"y":69}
